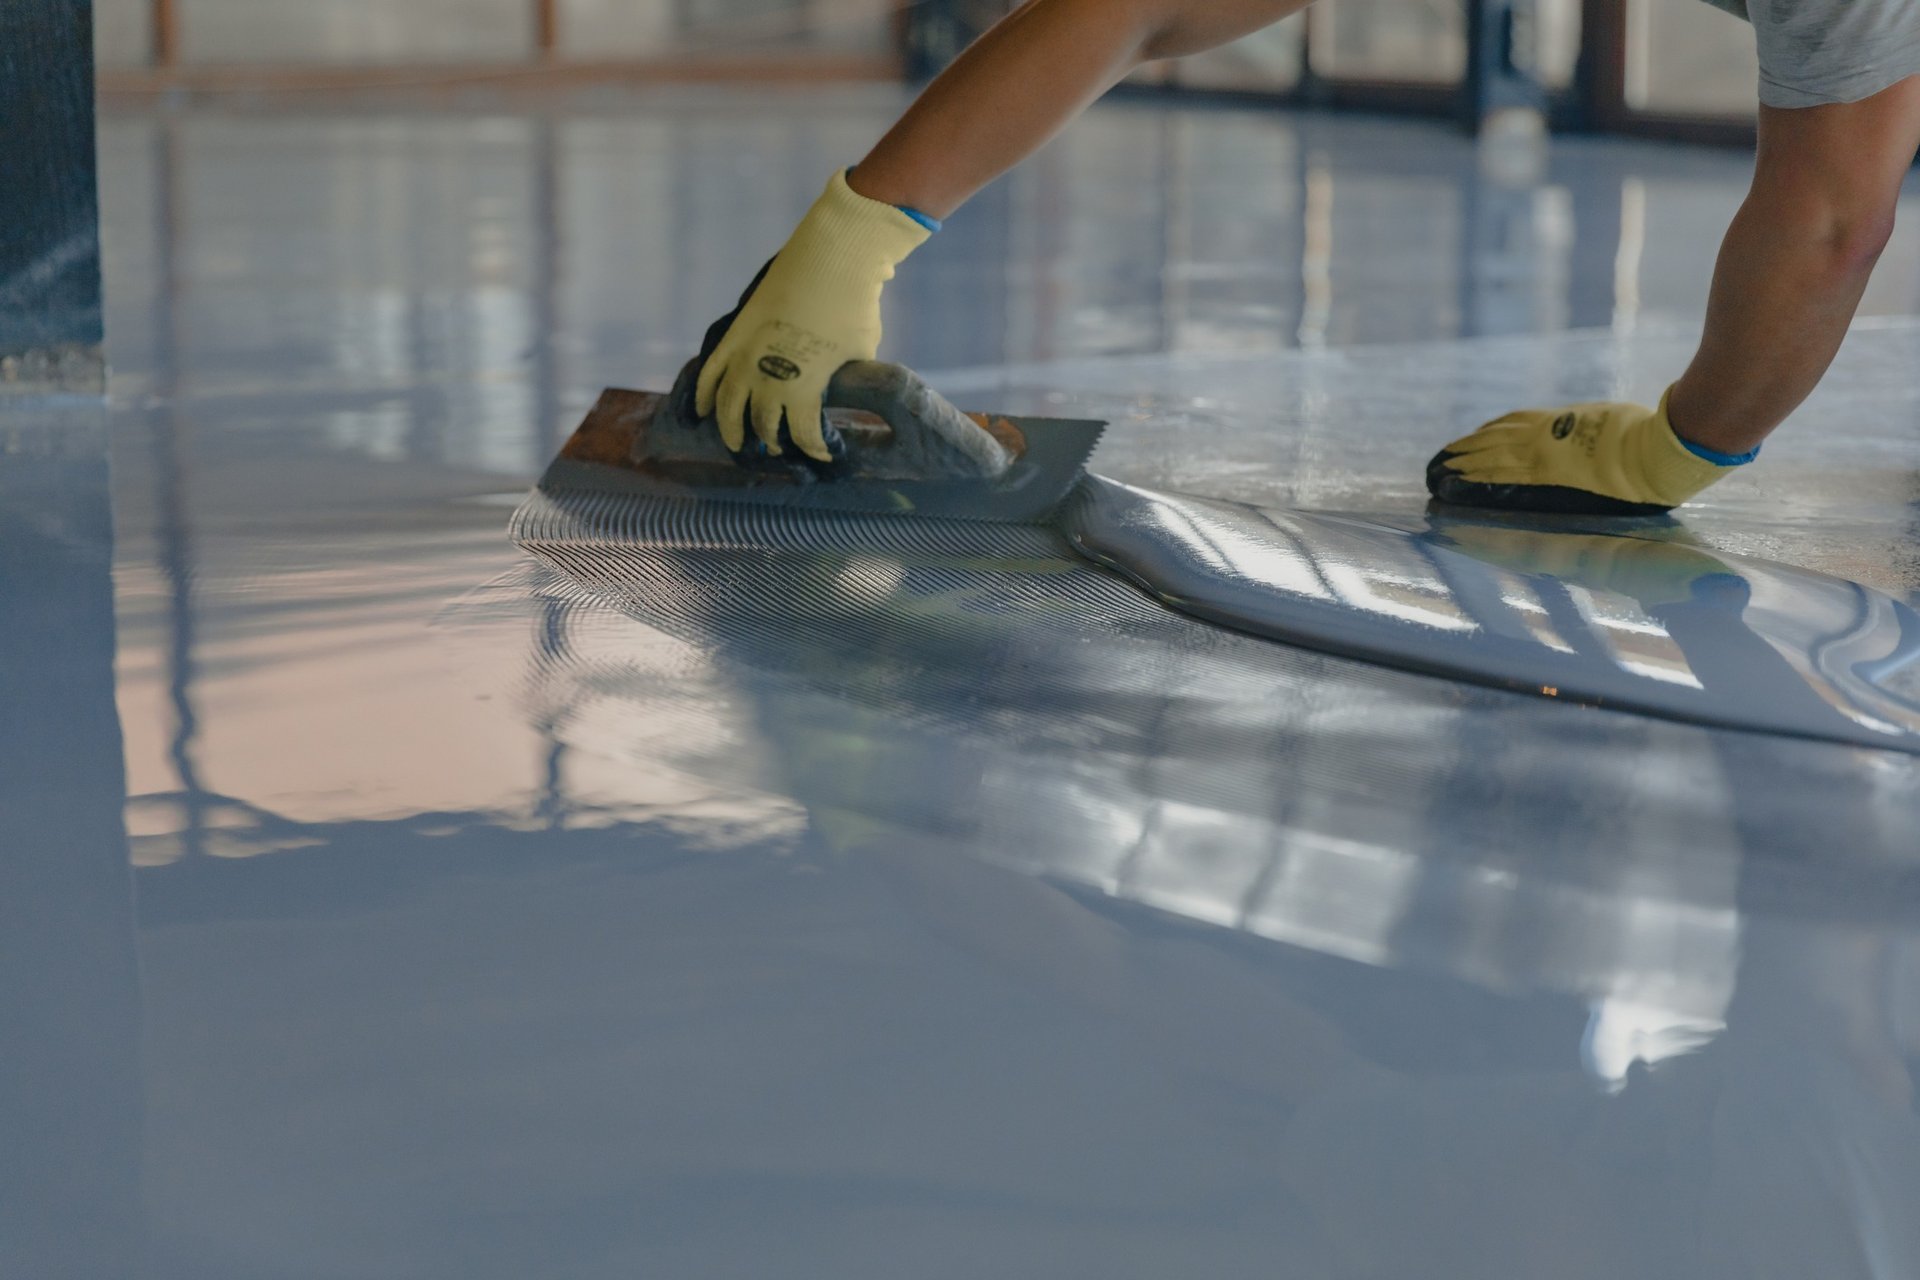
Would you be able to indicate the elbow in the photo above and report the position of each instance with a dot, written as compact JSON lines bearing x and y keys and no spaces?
{"x":1851,"y":232}
{"x":1857,"y":239}
{"x":1162,"y":38}
{"x":1843,"y":227}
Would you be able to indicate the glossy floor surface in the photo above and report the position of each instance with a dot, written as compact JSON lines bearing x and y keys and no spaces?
{"x":1596,"y":618}
{"x":383,"y":900}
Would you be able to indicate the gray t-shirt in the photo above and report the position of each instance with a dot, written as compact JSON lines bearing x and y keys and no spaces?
{"x":1819,"y":51}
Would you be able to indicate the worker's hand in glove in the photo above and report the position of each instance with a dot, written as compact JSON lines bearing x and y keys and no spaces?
{"x":813,"y":308}
{"x":1584,"y":459}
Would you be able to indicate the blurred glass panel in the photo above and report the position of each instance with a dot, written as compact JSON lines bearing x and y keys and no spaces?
{"x":1690,"y":59}
{"x":1266,"y":60}
{"x":1418,"y":41}
{"x":935,"y":31}
{"x":355,"y":31}
{"x":601,"y":29}
{"x":122,"y":33}
{"x":1554,"y":40}
{"x":598,"y":29}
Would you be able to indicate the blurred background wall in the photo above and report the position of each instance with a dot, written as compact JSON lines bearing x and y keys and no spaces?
{"x":438,"y":33}
{"x":1674,"y":67}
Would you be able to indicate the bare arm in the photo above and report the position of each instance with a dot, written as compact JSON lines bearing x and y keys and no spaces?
{"x":1017,"y":85}
{"x":1795,"y":262}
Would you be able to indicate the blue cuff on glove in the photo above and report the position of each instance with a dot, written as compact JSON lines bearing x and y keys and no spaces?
{"x":931,"y":224}
{"x":925,"y":220}
{"x":1717,"y":458}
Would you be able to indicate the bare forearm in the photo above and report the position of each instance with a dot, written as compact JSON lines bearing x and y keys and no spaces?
{"x":1795,"y":262}
{"x":1783,"y":295}
{"x":1021,"y":82}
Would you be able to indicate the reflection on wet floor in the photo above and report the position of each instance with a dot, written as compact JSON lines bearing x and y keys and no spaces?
{"x":491,"y":919}
{"x":458,"y":270}
{"x":1599,"y":619}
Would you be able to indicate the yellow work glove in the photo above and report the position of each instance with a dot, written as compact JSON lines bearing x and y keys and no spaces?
{"x":815,"y":307}
{"x":1584,"y":459}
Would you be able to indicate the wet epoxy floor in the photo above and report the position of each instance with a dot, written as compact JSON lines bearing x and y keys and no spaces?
{"x":383,"y":901}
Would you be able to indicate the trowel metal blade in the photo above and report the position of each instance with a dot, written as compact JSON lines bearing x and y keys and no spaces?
{"x":609,"y":454}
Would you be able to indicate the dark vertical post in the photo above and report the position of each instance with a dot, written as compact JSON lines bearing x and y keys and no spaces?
{"x":166,"y":34}
{"x":1600,"y":77}
{"x":1501,"y":58}
{"x":49,"y":210}
{"x":546,"y":29}
{"x":1313,"y":89}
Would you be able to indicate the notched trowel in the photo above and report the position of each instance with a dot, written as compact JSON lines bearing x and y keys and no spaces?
{"x":898,"y":449}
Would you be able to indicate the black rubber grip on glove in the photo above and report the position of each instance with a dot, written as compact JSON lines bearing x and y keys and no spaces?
{"x":754,"y":454}
{"x":1448,"y":485}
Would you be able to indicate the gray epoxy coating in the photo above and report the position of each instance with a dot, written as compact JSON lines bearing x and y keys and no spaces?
{"x":1603,"y":619}
{"x":1598,"y":619}
{"x":381,"y":901}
